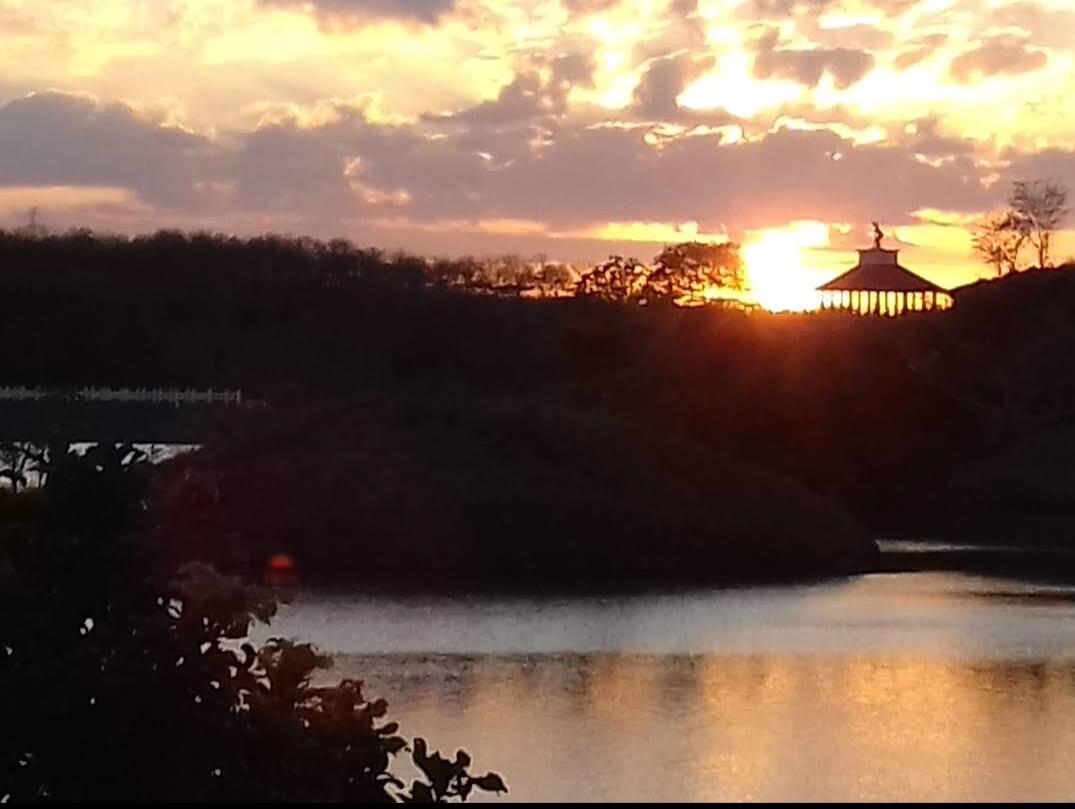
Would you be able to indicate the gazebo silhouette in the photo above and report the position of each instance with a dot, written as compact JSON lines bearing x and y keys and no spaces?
{"x":879,"y":285}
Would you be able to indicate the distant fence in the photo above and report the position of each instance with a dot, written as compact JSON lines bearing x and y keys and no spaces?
{"x":172,"y":396}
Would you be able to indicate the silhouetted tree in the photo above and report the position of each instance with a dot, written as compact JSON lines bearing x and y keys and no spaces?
{"x":690,"y":270}
{"x":558,"y":279}
{"x":455,"y":272}
{"x":998,"y":240}
{"x":1038,"y":208}
{"x":617,"y":279}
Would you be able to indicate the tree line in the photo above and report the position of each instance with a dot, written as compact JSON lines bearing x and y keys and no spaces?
{"x":689,"y":273}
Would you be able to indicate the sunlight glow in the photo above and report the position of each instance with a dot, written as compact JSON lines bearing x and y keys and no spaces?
{"x":775,"y":269}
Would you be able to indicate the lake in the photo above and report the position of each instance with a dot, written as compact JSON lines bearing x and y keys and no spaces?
{"x":914,"y":686}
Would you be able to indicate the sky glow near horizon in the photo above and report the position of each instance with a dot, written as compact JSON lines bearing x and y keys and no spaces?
{"x":572,"y":128}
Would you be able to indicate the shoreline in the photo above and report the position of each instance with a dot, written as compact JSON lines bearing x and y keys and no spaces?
{"x":1055,"y":565}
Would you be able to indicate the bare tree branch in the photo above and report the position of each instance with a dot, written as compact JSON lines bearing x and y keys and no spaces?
{"x":1039,"y":206}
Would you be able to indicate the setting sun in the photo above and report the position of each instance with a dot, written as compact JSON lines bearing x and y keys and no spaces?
{"x":777,"y":278}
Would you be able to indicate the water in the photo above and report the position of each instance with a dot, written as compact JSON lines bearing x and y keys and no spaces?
{"x":923,"y":686}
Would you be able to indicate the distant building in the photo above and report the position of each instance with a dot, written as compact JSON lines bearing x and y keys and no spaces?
{"x":878,"y":285}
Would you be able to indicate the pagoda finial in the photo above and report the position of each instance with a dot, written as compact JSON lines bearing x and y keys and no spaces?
{"x":878,"y":234}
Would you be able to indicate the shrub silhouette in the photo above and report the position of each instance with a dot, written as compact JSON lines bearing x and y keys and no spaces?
{"x":123,"y":684}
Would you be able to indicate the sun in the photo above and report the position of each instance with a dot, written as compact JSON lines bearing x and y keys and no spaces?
{"x":775,"y":272}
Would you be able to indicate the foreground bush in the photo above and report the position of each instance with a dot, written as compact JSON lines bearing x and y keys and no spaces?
{"x":121,"y":684}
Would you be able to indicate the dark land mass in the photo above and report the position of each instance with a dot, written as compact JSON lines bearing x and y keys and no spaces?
{"x":421,"y":434}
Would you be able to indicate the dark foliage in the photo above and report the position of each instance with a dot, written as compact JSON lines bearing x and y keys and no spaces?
{"x":617,"y":279}
{"x":121,"y":684}
{"x":501,"y":493}
{"x":693,"y":270}
{"x":895,"y":419}
{"x":690,"y":273}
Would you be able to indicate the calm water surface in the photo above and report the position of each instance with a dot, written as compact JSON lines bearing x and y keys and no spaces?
{"x":923,"y":686}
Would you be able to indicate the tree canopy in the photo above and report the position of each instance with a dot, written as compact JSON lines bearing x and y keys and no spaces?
{"x":686,"y":273}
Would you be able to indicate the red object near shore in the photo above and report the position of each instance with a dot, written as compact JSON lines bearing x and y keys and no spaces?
{"x":281,"y":563}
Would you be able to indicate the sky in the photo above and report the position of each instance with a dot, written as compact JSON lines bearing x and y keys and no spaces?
{"x":569,"y":128}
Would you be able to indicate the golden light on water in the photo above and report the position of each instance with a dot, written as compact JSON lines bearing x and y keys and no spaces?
{"x":776,"y":273}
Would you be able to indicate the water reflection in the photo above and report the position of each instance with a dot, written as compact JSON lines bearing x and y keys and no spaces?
{"x":912,"y":687}
{"x":654,"y":727}
{"x":932,"y":614}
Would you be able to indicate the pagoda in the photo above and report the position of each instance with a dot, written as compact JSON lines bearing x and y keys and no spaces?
{"x":879,"y":285}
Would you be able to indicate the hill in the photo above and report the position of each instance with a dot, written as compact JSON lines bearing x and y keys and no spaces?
{"x":933,"y":424}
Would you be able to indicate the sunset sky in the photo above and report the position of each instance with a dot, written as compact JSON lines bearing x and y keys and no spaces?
{"x":571,"y":127}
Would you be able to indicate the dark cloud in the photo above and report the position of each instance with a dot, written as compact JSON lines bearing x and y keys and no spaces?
{"x":522,"y":99}
{"x":996,"y":56}
{"x":1050,"y":164}
{"x":612,"y":175}
{"x":584,"y":176}
{"x":930,"y":141}
{"x":664,"y":79}
{"x":60,"y":139}
{"x":807,"y":65}
{"x":282,"y":168}
{"x":351,"y":12}
{"x":350,"y":170}
{"x":845,"y":65}
{"x":539,"y":90}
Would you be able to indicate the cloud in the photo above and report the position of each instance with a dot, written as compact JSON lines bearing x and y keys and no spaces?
{"x":57,"y":139}
{"x":584,"y":7}
{"x":920,"y":49}
{"x":351,"y":170}
{"x":845,"y":65}
{"x":282,"y":168}
{"x":928,"y":139}
{"x":353,"y":12}
{"x":998,"y":55}
{"x":812,"y":9}
{"x":583,"y":176}
{"x":1050,"y":164}
{"x":861,"y":36}
{"x":540,"y":89}
{"x":664,"y":79}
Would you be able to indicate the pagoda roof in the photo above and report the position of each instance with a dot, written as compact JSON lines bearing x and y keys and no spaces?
{"x":879,"y":270}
